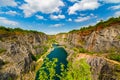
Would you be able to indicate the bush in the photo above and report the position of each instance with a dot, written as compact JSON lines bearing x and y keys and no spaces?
{"x":78,"y":70}
{"x":2,"y":50}
{"x":114,"y":56}
{"x":82,"y":50}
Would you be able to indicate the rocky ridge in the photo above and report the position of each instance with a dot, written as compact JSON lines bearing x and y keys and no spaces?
{"x":17,"y":53}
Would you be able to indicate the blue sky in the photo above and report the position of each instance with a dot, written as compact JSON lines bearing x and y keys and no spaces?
{"x":55,"y":16}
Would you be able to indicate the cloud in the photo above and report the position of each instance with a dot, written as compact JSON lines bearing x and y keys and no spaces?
{"x":117,"y":14}
{"x":83,"y":5}
{"x":115,"y":7}
{"x":111,"y":1}
{"x":40,"y":17}
{"x":73,"y":0}
{"x":69,"y":19}
{"x":6,"y":21}
{"x":12,"y":13}
{"x":4,"y":3}
{"x":33,"y":6}
{"x":81,"y":19}
{"x":82,"y":14}
{"x":54,"y":17}
{"x":57,"y":25}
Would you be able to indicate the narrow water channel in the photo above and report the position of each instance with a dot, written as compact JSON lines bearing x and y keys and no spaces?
{"x":59,"y":53}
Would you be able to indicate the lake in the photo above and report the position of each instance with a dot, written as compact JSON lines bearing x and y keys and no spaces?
{"x":59,"y":53}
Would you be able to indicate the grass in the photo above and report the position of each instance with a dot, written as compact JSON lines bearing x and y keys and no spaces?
{"x":2,"y":50}
{"x":114,"y":56}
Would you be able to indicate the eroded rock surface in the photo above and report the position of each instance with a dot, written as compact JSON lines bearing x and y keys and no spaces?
{"x":16,"y":52}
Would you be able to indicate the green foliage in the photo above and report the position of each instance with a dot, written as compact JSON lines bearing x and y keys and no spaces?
{"x":82,"y":50}
{"x":10,"y":78}
{"x":38,"y":56}
{"x":77,"y":70}
{"x":44,"y":50}
{"x":73,"y":31}
{"x":33,"y":57}
{"x":47,"y":71}
{"x":114,"y":56}
{"x":118,"y":37}
{"x":2,"y":50}
{"x":102,"y":23}
{"x":18,"y":30}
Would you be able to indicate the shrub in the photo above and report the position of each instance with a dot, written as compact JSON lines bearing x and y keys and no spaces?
{"x":114,"y":56}
{"x":79,"y":70}
{"x":82,"y":50}
{"x":2,"y":50}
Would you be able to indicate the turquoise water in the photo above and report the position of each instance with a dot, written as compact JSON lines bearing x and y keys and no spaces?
{"x":60,"y":54}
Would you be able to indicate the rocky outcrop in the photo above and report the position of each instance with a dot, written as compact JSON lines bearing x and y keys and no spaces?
{"x":17,"y":52}
{"x":102,"y":68}
{"x":103,"y":40}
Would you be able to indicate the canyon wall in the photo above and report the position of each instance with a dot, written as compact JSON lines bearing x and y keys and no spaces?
{"x":17,"y":53}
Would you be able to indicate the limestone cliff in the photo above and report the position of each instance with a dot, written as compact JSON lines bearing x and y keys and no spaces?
{"x":17,"y":51}
{"x":101,"y":39}
{"x":101,"y":67}
{"x":96,"y":40}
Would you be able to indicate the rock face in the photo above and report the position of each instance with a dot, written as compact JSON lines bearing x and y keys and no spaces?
{"x":104,"y":40}
{"x":98,"y":40}
{"x":102,"y":68}
{"x":16,"y":54}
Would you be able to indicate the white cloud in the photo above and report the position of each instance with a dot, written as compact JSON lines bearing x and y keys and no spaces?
{"x":81,"y":19}
{"x":54,"y":17}
{"x":40,"y":17}
{"x":6,"y":21}
{"x":83,"y":5}
{"x":115,"y":7}
{"x":111,"y":1}
{"x":73,"y":0}
{"x":12,"y":13}
{"x":69,"y":19}
{"x":33,"y":6}
{"x":117,"y":14}
{"x":82,"y":14}
{"x":4,"y":3}
{"x":57,"y":25}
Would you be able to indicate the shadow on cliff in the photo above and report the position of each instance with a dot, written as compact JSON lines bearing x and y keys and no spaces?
{"x":7,"y":76}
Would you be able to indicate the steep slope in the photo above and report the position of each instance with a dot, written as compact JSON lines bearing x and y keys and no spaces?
{"x":103,"y":37}
{"x":101,"y":67}
{"x":17,"y":53}
{"x":98,"y":41}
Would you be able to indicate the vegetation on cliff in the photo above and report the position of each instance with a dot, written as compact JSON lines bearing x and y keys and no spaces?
{"x":100,"y":25}
{"x":16,"y":30}
{"x":78,"y":70}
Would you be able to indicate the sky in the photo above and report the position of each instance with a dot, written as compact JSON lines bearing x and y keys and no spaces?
{"x":56,"y":16}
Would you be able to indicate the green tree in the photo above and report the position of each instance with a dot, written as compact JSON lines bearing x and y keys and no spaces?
{"x":78,"y":70}
{"x":47,"y":71}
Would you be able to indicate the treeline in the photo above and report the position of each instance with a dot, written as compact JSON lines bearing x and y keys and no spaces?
{"x":102,"y":24}
{"x":2,"y":28}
